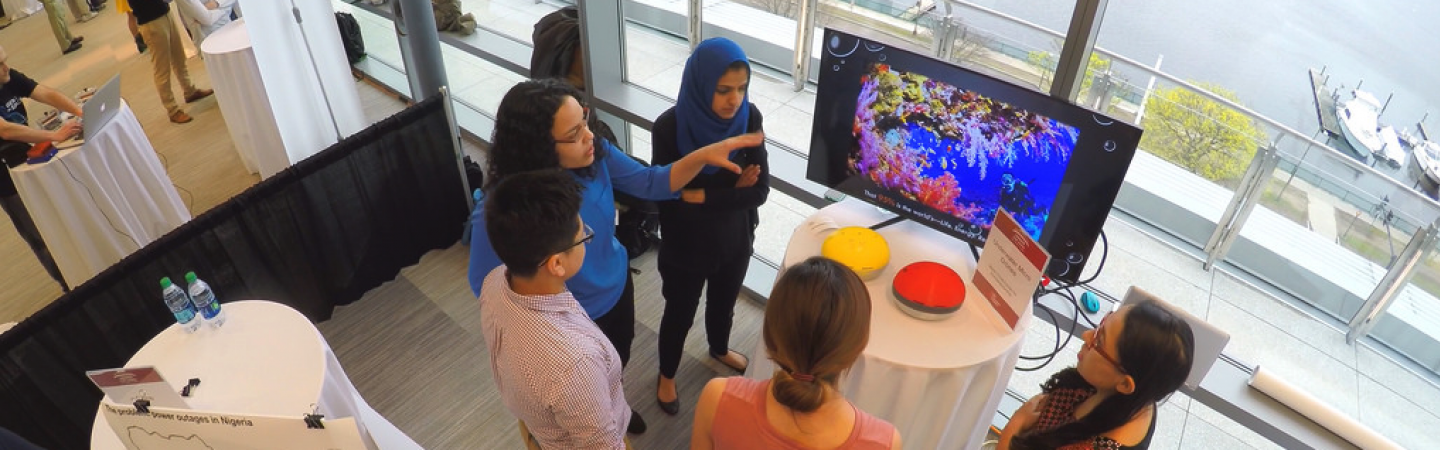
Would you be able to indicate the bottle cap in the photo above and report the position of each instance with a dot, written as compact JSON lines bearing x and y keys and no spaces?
{"x":165,"y":282}
{"x":190,"y":278}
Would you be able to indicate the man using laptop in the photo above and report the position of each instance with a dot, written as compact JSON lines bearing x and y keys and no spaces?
{"x":16,"y":135}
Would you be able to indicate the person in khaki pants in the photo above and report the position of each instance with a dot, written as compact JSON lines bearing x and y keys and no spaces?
{"x":167,"y":55}
{"x":57,"y":24}
{"x":81,"y":10}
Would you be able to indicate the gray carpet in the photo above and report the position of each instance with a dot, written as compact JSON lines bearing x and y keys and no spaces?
{"x":413,"y":348}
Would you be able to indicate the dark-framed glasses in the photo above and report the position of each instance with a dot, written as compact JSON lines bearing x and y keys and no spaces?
{"x":1096,"y":343}
{"x":589,"y":236}
{"x":575,"y":135}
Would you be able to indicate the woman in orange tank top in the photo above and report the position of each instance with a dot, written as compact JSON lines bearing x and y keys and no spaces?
{"x":817,"y":323}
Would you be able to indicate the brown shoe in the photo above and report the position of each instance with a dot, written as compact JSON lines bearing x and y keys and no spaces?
{"x":180,"y":117}
{"x":199,"y":94}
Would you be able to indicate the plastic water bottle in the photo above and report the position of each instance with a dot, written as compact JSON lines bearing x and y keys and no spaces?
{"x":205,"y":301}
{"x":180,"y":305}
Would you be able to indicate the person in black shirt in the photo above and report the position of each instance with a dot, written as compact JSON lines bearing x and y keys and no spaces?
{"x":558,"y":55}
{"x":16,"y":135}
{"x":707,"y":234}
{"x":166,"y":53}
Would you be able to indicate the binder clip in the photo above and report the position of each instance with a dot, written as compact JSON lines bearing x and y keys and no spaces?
{"x":142,"y":406}
{"x":185,"y":391}
{"x":312,"y":420}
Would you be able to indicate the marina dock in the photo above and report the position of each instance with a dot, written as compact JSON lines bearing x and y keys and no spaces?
{"x":1324,"y":104}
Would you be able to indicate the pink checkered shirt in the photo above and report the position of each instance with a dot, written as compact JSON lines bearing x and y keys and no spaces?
{"x":554,"y":368}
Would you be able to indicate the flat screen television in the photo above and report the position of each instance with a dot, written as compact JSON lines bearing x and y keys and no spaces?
{"x":946,"y":147}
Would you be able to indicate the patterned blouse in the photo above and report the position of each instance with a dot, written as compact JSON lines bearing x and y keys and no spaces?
{"x":1059,"y":409}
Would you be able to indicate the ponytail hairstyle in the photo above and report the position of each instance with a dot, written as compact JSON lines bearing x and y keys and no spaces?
{"x":1155,"y":348}
{"x":817,"y":323}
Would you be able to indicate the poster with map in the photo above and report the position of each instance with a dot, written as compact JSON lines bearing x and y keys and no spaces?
{"x":181,"y":429}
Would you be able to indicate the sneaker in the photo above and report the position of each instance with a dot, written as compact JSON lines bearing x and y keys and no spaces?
{"x":180,"y":117}
{"x":198,"y":94}
{"x":86,"y":18}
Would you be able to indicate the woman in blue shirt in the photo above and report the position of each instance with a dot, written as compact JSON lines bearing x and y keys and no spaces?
{"x":541,"y":124}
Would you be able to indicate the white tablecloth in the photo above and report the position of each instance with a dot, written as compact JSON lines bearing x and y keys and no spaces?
{"x":97,"y":203}
{"x":241,"y":93}
{"x":19,"y":9}
{"x":266,"y":359}
{"x":938,"y":382}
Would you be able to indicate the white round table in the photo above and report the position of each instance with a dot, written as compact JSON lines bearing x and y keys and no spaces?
{"x":97,"y":203}
{"x":241,"y":93}
{"x":939,"y":382}
{"x":267,"y":359}
{"x":20,"y":9}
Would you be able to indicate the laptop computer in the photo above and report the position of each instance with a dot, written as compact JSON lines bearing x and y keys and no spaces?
{"x":1209,"y":339}
{"x":101,"y":107}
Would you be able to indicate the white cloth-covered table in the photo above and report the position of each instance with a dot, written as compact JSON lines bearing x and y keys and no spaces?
{"x":98,"y":203}
{"x":241,"y":93}
{"x":19,"y":9}
{"x":938,"y":382}
{"x":267,"y":359}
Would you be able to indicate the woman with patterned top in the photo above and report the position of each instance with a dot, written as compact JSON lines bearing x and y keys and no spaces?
{"x":1136,"y":357}
{"x":817,"y":323}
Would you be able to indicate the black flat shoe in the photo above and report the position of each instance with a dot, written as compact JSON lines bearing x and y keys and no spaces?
{"x":637,"y":424}
{"x":740,"y":369}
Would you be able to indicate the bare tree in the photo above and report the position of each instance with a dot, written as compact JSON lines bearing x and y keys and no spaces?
{"x":970,"y":45}
{"x":784,"y":8}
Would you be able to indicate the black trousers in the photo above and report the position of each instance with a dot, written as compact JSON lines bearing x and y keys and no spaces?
{"x":31,"y":234}
{"x":681,"y":285}
{"x":618,"y":325}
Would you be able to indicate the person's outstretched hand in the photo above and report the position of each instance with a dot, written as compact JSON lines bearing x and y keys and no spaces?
{"x":718,"y":154}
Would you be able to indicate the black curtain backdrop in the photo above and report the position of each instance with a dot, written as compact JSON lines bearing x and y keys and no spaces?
{"x":316,"y":235}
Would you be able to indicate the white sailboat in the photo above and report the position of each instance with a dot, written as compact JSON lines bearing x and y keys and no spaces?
{"x":1390,"y":149}
{"x":1359,"y":120}
{"x":1427,"y":158}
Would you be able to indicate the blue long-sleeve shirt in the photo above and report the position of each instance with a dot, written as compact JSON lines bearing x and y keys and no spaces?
{"x":602,"y":278}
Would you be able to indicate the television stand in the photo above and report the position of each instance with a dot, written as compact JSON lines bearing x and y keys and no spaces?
{"x":894,"y":220}
{"x":886,"y":223}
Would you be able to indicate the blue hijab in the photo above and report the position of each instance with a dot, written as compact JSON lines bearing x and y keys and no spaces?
{"x":696,"y":125}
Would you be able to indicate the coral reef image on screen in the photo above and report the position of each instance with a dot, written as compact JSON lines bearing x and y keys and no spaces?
{"x":957,"y":151}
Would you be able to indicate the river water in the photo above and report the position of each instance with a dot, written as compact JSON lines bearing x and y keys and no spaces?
{"x":1261,"y":49}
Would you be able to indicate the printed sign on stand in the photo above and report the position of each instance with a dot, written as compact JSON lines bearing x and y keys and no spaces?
{"x":126,"y":385}
{"x":164,"y":428}
{"x":1009,"y":269}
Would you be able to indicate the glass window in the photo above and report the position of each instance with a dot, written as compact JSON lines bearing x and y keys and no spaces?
{"x":511,"y":18}
{"x":779,"y":217}
{"x":1398,"y":383}
{"x":1210,"y":88}
{"x":655,"y":46}
{"x":378,"y":32}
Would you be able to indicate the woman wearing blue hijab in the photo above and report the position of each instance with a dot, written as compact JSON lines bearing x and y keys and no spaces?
{"x":708,"y":232}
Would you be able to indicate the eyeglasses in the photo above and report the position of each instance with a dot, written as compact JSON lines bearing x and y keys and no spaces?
{"x":589,"y":236}
{"x":1096,"y":344}
{"x":584,"y":125}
